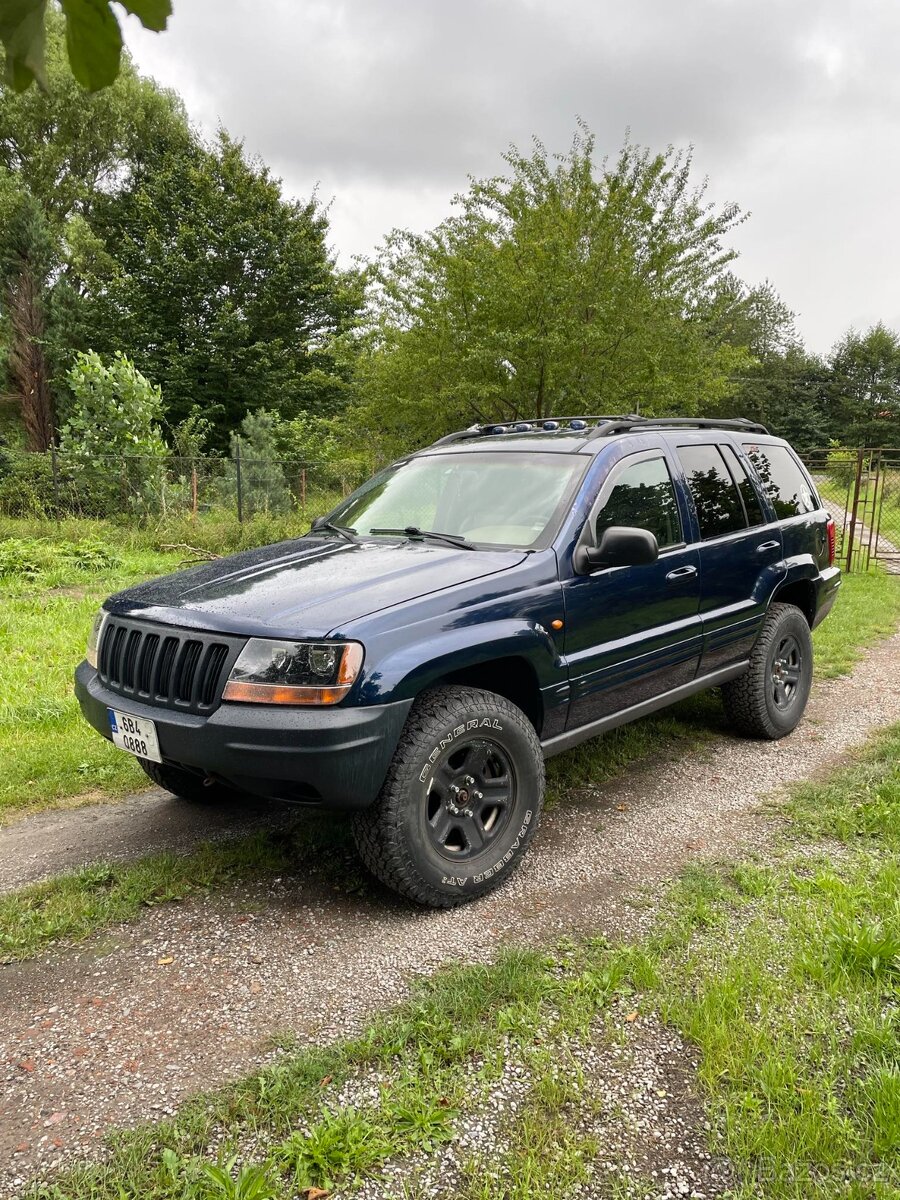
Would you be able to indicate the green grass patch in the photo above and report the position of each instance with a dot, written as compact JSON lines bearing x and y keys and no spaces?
{"x":52,"y":581}
{"x":785,"y":975}
{"x":70,"y":907}
{"x":867,"y":609}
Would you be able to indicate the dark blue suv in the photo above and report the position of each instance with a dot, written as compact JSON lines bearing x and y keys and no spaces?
{"x":478,"y":606}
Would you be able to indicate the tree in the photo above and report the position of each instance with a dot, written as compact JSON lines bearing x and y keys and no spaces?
{"x":563,"y":286}
{"x":781,"y":385}
{"x":263,"y":485}
{"x":224,"y":292}
{"x":93,"y":38}
{"x":27,"y":261}
{"x":59,"y":152}
{"x":865,"y":388}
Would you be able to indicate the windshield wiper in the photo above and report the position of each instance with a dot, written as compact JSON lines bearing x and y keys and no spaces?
{"x":413,"y":531}
{"x":348,"y":535}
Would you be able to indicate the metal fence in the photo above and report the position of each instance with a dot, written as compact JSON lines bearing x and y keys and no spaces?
{"x":861,"y":489}
{"x":137,"y":487}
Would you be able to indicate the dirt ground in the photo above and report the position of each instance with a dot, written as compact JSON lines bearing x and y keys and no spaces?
{"x":124,"y":1027}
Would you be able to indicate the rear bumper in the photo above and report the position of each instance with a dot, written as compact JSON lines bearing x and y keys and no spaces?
{"x":827,"y":586}
{"x":331,"y":756}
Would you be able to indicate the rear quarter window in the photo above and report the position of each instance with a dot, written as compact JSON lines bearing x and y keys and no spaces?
{"x":783,"y":479}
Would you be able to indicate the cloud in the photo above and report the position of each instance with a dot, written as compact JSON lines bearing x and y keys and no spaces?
{"x":794,"y":110}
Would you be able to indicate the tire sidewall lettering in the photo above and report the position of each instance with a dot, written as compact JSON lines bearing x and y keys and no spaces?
{"x":458,"y":731}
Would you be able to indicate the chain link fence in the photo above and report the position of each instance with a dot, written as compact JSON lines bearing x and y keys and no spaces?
{"x":136,"y":487}
{"x":861,"y":490}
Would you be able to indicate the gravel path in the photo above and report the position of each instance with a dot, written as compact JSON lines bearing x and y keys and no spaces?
{"x":50,"y":843}
{"x":123,"y":1028}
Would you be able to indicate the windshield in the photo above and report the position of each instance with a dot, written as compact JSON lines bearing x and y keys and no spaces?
{"x":494,"y":499}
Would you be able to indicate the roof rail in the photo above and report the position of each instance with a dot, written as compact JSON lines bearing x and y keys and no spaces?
{"x":600,"y":426}
{"x":624,"y":424}
{"x":577,"y":424}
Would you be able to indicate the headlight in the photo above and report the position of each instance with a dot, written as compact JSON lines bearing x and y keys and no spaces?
{"x":269,"y":672}
{"x":93,"y":644}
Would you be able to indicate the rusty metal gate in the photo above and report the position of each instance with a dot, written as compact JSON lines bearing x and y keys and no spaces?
{"x":861,"y":489}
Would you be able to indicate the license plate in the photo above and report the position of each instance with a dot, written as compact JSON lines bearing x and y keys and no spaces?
{"x":136,"y":735}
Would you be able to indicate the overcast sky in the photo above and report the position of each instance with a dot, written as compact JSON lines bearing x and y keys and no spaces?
{"x":793,"y":107}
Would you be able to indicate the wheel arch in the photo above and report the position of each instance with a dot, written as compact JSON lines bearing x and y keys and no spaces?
{"x":801,"y":593}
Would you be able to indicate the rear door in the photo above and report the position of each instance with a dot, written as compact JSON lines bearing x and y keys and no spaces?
{"x":634,"y":632}
{"x":741,"y":557}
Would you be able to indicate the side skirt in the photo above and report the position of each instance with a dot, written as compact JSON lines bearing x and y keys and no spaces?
{"x":574,"y":737}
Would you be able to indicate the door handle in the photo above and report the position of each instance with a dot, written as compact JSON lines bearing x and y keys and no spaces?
{"x":767,"y":546}
{"x":682,"y":572}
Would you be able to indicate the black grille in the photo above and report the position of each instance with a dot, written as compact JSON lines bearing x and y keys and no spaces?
{"x":173,"y":668}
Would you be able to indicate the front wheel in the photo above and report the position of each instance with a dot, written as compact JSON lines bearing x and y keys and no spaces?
{"x":461,"y":801}
{"x":769,"y":700}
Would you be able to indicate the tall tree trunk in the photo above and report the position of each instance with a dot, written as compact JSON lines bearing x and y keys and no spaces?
{"x":27,"y":361}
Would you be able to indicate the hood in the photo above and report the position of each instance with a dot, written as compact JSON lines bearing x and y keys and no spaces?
{"x":308,"y":587}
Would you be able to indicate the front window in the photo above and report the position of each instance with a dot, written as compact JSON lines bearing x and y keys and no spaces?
{"x":643,"y":497}
{"x":491,"y":499}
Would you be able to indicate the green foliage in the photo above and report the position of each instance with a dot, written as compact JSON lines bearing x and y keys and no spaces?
{"x":263,"y":485}
{"x":114,"y":412}
{"x":865,"y":388}
{"x":567,"y":285}
{"x":26,"y":484}
{"x":32,"y":557}
{"x":222,"y":291}
{"x":93,"y":38}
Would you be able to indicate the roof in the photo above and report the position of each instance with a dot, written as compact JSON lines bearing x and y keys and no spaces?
{"x":571,"y":435}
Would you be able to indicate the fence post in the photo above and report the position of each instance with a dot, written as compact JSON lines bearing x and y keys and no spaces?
{"x":303,"y":489}
{"x":240,"y":492}
{"x":194,"y":487}
{"x":54,"y":466}
{"x":853,"y":510}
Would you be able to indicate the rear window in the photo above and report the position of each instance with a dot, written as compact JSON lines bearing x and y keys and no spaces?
{"x":782,"y":479}
{"x":716,"y":498}
{"x":745,"y":486}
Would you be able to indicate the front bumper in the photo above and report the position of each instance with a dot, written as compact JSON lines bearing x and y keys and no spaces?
{"x":331,"y":756}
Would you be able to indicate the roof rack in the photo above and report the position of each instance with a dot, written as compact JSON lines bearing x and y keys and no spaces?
{"x":600,"y":426}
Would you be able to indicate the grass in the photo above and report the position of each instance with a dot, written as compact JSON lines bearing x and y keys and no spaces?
{"x":62,"y":574}
{"x":785,"y":975}
{"x":73,"y":906}
{"x":866,"y":610}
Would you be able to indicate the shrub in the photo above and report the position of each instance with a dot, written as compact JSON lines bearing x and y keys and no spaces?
{"x":114,"y":413}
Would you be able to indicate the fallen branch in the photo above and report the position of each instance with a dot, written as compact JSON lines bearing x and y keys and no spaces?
{"x":199,"y":555}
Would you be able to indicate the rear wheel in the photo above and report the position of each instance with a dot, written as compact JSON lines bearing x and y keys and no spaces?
{"x":185,"y":784}
{"x":461,"y":801}
{"x":770,"y":699}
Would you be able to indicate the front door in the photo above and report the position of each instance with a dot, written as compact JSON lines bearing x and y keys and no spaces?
{"x":633,"y":633}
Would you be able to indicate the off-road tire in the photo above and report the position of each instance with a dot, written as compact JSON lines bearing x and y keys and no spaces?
{"x":185,"y":784}
{"x":750,"y":700}
{"x":397,"y":836}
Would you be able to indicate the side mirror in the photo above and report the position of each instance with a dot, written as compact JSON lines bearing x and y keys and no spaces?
{"x":620,"y":546}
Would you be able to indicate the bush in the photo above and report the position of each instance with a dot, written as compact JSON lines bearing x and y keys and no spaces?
{"x":26,"y":484}
{"x":29,"y":557}
{"x":114,"y":413}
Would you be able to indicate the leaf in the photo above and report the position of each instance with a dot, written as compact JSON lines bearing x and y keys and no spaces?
{"x":152,"y":14}
{"x":22,"y":34}
{"x":94,"y":42}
